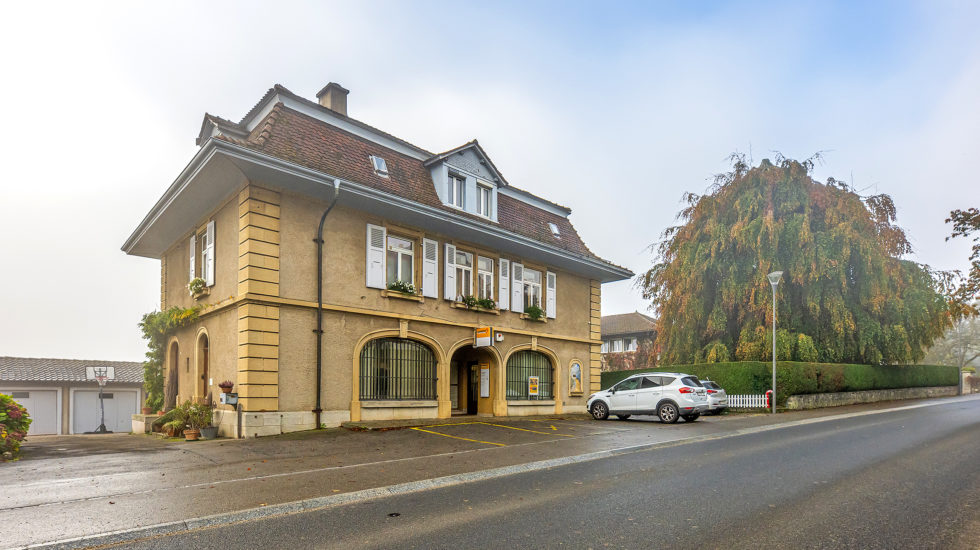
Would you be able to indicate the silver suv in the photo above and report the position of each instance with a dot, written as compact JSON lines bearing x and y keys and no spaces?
{"x":668,"y":395}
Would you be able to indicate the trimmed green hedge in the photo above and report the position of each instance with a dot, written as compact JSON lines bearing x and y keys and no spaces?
{"x":755,"y":377}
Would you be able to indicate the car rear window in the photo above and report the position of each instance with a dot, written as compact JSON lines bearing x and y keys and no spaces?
{"x":692,"y":381}
{"x":710,"y":385}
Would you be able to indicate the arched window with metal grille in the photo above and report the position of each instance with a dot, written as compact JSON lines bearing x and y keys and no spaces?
{"x":523,"y":365}
{"x":397,"y":369}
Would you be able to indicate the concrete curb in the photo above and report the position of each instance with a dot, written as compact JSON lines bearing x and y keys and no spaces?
{"x":151,"y":531}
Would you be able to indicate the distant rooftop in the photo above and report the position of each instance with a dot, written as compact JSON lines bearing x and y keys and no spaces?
{"x":35,"y":369}
{"x":627,"y":323}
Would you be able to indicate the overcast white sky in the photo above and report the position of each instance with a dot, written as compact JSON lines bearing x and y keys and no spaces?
{"x":612,"y":109}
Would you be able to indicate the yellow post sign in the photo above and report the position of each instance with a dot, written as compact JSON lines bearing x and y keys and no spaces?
{"x":532,"y":385}
{"x":484,"y":337}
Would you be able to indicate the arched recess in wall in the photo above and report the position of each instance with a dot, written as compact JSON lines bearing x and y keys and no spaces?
{"x":396,"y":365}
{"x":525,"y":361}
{"x":499,"y":388}
{"x":171,"y":379}
{"x":202,"y":369}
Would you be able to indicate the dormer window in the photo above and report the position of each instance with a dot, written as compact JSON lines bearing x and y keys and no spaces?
{"x":457,"y":191}
{"x":554,"y":230}
{"x":380,"y":166}
{"x":484,"y":196}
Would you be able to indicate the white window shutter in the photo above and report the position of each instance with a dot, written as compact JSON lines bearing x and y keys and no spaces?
{"x":209,"y":255}
{"x":517,"y":289}
{"x":430,"y":268}
{"x":550,"y":299}
{"x":504,"y":293}
{"x":375,"y":256}
{"x":191,"y":246}
{"x":449,"y":292}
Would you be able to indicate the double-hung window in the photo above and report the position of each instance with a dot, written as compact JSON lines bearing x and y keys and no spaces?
{"x":532,"y":288}
{"x":400,"y":260}
{"x":457,"y":191}
{"x":631,"y":344}
{"x":484,"y":278}
{"x":617,"y":346}
{"x":201,"y":248}
{"x":484,"y":196}
{"x":464,"y":274}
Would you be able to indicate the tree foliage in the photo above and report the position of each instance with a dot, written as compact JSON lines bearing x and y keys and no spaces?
{"x":959,"y":347}
{"x":846,"y":296}
{"x":967,"y":223}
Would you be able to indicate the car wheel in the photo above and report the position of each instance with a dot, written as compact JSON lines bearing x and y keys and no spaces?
{"x":667,"y":413}
{"x":600,"y":411}
{"x":692,"y":417}
{"x":622,"y":416}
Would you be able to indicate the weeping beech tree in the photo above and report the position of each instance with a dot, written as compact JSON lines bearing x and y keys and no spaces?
{"x":847,"y":296}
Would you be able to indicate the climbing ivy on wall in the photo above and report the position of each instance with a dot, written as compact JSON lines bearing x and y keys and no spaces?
{"x":157,"y":327}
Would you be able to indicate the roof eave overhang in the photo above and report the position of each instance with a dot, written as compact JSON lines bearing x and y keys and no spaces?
{"x":256,"y":166}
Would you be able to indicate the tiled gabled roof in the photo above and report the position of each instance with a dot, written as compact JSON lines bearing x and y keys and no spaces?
{"x":309,"y":142}
{"x":33,"y":369}
{"x":627,"y":323}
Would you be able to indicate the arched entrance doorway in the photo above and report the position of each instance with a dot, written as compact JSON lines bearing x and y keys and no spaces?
{"x":203,"y":366}
{"x":473,"y":380}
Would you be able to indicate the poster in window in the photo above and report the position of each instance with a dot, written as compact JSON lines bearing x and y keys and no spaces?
{"x":575,"y":378}
{"x":532,"y":385}
{"x":484,"y":380}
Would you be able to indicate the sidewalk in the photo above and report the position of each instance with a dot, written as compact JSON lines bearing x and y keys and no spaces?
{"x":82,"y":485}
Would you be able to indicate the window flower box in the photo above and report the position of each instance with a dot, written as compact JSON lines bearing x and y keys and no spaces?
{"x":527,"y":317}
{"x":388,"y":293}
{"x":479,"y":309}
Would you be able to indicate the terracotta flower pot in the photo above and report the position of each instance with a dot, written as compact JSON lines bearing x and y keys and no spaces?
{"x":147,"y":410}
{"x":192,"y":434}
{"x":225,"y":390}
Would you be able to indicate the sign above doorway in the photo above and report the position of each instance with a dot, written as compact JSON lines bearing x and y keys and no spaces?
{"x":484,"y":337}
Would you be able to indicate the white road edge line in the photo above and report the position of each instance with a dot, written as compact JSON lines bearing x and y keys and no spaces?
{"x":308,"y":505}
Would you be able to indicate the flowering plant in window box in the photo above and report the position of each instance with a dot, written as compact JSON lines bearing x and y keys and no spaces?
{"x":403,"y":287}
{"x":533,"y":313}
{"x":198,"y":287}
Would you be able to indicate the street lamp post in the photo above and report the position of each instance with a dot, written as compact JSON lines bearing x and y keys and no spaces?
{"x":774,"y":280}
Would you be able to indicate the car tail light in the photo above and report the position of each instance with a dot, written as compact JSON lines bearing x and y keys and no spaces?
{"x":712,"y":391}
{"x":686,"y":389}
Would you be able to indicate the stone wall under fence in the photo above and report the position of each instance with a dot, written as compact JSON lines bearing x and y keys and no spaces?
{"x":819,"y":400}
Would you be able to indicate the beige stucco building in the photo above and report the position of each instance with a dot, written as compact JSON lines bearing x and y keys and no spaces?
{"x":411,"y":242}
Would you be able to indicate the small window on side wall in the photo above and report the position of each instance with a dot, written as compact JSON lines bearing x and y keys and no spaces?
{"x":380,"y":166}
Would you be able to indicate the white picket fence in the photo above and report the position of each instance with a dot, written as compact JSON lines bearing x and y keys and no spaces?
{"x":746,"y":401}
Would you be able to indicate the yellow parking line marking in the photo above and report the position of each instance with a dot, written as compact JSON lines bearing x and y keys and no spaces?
{"x":463,"y":438}
{"x":450,"y":424}
{"x":523,"y":429}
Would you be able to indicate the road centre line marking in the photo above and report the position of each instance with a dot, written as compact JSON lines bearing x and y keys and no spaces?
{"x":463,"y":438}
{"x":523,"y":429}
{"x":308,"y":505}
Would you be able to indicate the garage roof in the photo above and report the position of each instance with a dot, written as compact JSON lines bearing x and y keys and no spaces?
{"x":35,"y":369}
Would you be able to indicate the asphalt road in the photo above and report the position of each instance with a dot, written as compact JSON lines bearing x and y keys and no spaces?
{"x":900,"y":479}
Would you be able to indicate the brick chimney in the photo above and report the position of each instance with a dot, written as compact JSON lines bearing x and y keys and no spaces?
{"x":333,"y":96}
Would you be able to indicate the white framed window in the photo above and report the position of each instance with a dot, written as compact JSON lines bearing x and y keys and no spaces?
{"x":484,"y":278}
{"x":380,"y":166}
{"x":554,"y":230}
{"x":616,"y":346}
{"x":464,"y":274}
{"x":605,"y":346}
{"x":630,"y":344}
{"x":400,"y":260}
{"x":456,"y":193}
{"x":532,"y":288}
{"x":484,"y":198}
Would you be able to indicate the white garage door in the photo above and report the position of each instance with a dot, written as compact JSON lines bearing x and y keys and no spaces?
{"x":42,"y":405}
{"x":120,"y":405}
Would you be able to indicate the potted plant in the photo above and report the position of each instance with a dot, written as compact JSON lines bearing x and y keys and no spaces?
{"x":201,"y":418}
{"x":534,"y":313}
{"x":486,"y":303}
{"x":175,"y":420}
{"x":146,"y":410}
{"x":198,"y":287}
{"x":226,"y":386}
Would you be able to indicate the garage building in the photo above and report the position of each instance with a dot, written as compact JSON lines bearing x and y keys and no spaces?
{"x":62,"y":399}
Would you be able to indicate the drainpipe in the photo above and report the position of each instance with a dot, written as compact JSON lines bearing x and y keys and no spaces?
{"x":319,"y":298}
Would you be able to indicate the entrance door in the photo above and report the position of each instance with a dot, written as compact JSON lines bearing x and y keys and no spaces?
{"x":473,"y":392}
